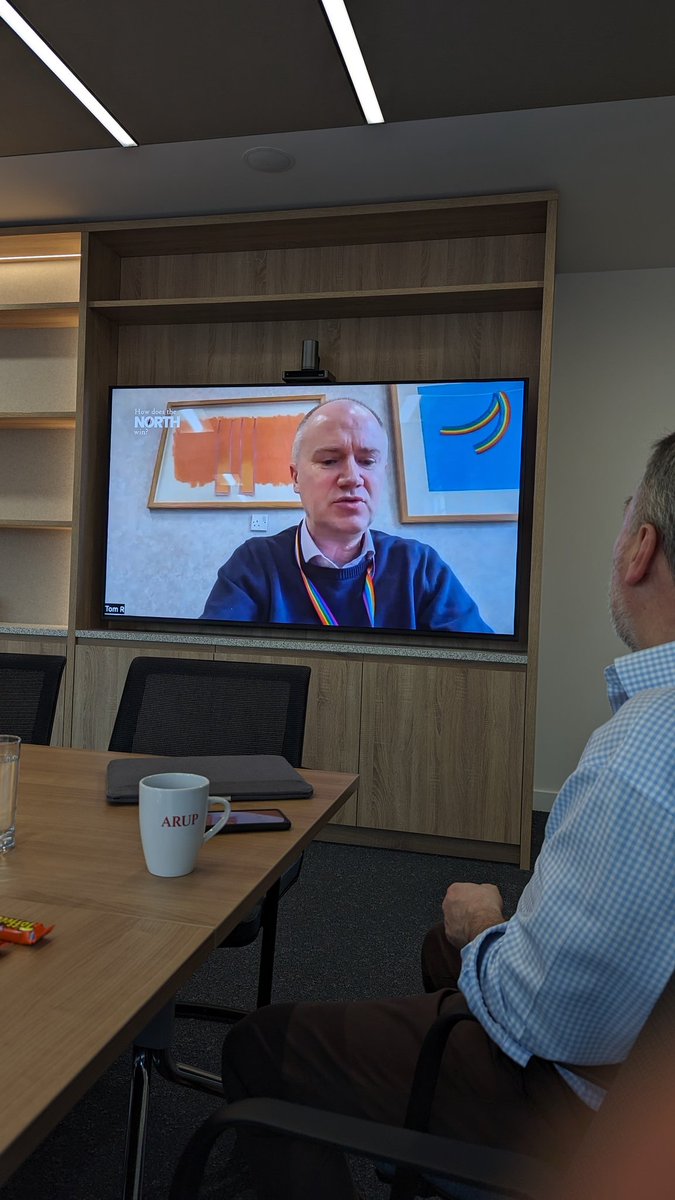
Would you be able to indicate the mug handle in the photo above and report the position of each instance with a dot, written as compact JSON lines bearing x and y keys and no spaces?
{"x":225,"y":801}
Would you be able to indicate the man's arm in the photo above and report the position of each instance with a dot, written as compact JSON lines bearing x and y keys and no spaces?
{"x":239,"y":591}
{"x":445,"y":604}
{"x":572,"y":975}
{"x":468,"y":909}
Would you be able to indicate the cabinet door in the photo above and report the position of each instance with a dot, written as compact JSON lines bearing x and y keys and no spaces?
{"x":333,"y":714}
{"x":442,"y":750}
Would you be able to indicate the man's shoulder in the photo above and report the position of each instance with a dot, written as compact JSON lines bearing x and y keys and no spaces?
{"x":651,"y":707}
{"x":640,"y":737}
{"x":261,"y":547}
{"x":404,"y":547}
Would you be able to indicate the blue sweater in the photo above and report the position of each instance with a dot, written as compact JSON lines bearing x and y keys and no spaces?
{"x":415,"y":589}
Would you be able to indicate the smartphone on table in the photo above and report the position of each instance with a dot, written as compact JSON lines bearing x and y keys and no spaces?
{"x":250,"y":820}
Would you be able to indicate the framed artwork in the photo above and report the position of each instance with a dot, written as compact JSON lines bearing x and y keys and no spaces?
{"x":458,"y":449}
{"x":232,"y":453}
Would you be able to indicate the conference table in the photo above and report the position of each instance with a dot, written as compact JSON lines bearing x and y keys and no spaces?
{"x":123,"y":942}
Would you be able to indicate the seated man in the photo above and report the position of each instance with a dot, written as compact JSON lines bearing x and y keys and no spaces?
{"x":332,"y":569}
{"x":561,"y":990}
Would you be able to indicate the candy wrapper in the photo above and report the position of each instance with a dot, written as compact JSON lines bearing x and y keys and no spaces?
{"x":14,"y":929}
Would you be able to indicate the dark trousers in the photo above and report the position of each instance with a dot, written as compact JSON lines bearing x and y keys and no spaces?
{"x":359,"y":1058}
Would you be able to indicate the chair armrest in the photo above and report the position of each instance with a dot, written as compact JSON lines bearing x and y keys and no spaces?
{"x":507,"y":1174}
{"x":427,"y":1068}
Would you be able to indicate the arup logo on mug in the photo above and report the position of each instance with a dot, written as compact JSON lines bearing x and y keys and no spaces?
{"x":172,"y":822}
{"x":172,"y":810}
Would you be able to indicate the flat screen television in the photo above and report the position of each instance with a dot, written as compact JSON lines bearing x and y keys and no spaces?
{"x":409,"y":518}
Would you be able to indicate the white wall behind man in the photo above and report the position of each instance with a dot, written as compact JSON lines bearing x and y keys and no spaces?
{"x":612,"y":396}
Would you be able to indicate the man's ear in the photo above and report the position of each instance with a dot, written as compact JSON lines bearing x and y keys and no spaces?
{"x":642,"y":554}
{"x":294,"y":477}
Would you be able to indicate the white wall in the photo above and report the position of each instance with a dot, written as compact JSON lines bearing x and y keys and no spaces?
{"x":612,"y":396}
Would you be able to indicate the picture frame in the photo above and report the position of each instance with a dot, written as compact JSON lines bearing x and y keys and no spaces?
{"x":462,"y":434}
{"x":228,"y":453}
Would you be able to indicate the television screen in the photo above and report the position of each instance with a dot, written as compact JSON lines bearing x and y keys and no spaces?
{"x":393,"y":506}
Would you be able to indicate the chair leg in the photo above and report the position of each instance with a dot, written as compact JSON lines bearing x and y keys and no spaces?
{"x":226,"y":1016}
{"x":152,"y":1049}
{"x":137,"y":1121}
{"x":268,"y":947}
{"x":186,"y":1076}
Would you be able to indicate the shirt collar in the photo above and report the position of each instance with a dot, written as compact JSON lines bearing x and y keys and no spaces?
{"x":633,"y":673}
{"x":312,"y":554}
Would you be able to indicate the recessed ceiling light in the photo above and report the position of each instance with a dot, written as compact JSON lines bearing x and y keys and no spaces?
{"x":268,"y":158}
{"x":44,"y":52}
{"x":343,"y":32}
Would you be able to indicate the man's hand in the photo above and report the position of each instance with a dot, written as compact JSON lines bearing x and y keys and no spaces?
{"x":468,"y":909}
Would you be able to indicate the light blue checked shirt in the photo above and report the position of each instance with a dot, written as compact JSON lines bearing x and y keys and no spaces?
{"x":573,"y":975}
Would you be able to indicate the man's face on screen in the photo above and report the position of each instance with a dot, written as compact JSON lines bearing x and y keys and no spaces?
{"x":340,"y":470}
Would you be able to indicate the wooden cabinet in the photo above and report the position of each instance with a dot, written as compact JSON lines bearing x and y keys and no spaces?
{"x":455,"y":769}
{"x":440,"y":731}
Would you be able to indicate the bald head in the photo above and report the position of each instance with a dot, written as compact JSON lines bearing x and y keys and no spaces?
{"x":341,"y":407}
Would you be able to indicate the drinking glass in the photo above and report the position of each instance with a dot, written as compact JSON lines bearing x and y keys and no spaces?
{"x":9,"y":782}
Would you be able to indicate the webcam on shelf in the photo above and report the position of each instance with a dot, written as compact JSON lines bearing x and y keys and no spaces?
{"x":309,"y":371}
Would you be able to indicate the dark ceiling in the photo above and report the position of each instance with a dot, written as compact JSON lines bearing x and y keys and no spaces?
{"x":479,"y":97}
{"x":172,"y":72}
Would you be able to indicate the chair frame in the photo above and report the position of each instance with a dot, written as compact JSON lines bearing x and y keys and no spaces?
{"x":419,"y":1155}
{"x":151,"y":1049}
{"x":410,"y":1149}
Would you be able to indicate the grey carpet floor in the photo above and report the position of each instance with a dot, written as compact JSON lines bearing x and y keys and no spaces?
{"x":350,"y":929}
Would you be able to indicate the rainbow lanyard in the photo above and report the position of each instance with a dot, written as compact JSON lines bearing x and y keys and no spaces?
{"x":320,"y":607}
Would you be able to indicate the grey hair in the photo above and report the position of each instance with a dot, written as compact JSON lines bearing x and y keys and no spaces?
{"x":655,"y":497}
{"x":300,"y":431}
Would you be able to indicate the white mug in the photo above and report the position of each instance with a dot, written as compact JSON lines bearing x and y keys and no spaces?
{"x":172,"y":812}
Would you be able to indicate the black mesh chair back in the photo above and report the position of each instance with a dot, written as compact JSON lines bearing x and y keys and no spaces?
{"x":191,"y":706}
{"x":29,"y":690}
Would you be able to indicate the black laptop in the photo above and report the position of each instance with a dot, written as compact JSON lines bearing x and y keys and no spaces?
{"x":240,"y":776}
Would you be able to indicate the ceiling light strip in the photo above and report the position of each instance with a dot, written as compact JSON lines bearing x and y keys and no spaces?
{"x":35,"y":43}
{"x":343,"y":32}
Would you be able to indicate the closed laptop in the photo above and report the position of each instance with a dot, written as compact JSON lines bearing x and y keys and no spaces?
{"x":240,"y":776}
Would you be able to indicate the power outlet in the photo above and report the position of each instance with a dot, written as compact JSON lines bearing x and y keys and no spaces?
{"x":258,"y":522}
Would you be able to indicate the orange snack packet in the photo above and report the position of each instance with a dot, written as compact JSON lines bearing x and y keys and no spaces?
{"x":14,"y":929}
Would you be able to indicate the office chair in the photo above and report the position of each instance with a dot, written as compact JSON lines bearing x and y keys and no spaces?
{"x":463,"y":1171}
{"x":29,"y":690}
{"x":176,"y":706}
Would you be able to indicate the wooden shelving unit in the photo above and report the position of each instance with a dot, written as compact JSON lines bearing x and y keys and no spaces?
{"x":39,"y":316}
{"x":9,"y":524}
{"x":386,"y":302}
{"x":37,"y":420}
{"x":435,"y":289}
{"x":39,"y":306}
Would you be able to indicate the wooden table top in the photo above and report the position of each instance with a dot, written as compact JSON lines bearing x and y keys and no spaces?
{"x":73,"y":1002}
{"x":124,"y":941}
{"x":72,"y":846}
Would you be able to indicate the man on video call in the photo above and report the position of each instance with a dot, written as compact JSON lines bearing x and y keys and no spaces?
{"x":332,"y":569}
{"x":560,"y":990}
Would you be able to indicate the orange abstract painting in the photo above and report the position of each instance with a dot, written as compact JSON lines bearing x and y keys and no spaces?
{"x":235,"y":452}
